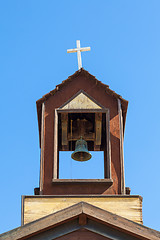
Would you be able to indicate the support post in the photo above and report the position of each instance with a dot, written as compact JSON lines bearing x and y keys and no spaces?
{"x":121,"y":147}
{"x":98,"y":131}
{"x":107,"y":153}
{"x":55,"y":157}
{"x":64,"y":122}
{"x":42,"y":150}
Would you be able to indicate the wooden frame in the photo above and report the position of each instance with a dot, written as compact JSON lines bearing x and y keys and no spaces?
{"x":42,"y":150}
{"x":107,"y":153}
{"x":98,"y":130}
{"x":64,"y":119}
{"x":102,"y":220}
{"x":55,"y":160}
{"x":86,"y":94}
{"x":121,"y":147}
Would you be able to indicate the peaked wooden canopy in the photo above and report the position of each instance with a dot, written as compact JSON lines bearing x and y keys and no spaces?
{"x":96,"y":83}
{"x":81,"y":96}
{"x":72,"y":222}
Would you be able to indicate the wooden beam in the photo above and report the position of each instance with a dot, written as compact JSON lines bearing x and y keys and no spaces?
{"x":107,"y":231}
{"x":117,"y":222}
{"x":98,"y":131}
{"x":82,"y":219}
{"x":64,"y":122}
{"x":121,"y":147}
{"x":94,"y":181}
{"x":104,"y":110}
{"x":22,"y":209}
{"x":42,"y":150}
{"x":76,"y":49}
{"x":55,"y":158}
{"x":75,"y":136}
{"x":58,"y":232}
{"x":107,"y":153}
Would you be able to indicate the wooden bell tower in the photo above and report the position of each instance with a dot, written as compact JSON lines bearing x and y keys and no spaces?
{"x":82,"y":106}
{"x":82,"y":110}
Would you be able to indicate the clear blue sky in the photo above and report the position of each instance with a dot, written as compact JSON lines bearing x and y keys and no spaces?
{"x":124,"y":37}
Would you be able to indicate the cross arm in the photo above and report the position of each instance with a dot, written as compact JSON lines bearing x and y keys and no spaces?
{"x":78,"y":49}
{"x":72,"y":50}
{"x":85,"y":49}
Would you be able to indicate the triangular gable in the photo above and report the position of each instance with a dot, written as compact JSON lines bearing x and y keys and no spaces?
{"x":81,"y":100}
{"x":78,"y":217}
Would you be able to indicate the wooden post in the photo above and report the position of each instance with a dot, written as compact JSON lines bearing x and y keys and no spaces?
{"x":42,"y":150}
{"x":82,"y":219}
{"x":98,"y":131}
{"x":22,"y":210}
{"x":107,"y":153}
{"x":55,"y":157}
{"x":121,"y":147}
{"x":64,"y":122}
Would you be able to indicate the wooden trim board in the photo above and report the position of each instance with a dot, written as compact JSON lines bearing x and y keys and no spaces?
{"x":36,"y":207}
{"x":42,"y":151}
{"x":121,"y":147}
{"x":97,"y":220}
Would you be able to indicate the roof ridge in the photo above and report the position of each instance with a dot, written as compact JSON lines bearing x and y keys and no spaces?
{"x":73,"y":76}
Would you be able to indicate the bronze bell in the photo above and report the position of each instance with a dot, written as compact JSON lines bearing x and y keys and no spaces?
{"x":81,"y":151}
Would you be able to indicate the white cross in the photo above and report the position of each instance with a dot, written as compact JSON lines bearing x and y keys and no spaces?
{"x":79,"y":50}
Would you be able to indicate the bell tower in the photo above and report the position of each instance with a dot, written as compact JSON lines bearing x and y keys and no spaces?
{"x":82,"y":108}
{"x":81,"y":115}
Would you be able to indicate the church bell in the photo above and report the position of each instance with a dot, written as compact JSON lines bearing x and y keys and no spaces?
{"x":81,"y":152}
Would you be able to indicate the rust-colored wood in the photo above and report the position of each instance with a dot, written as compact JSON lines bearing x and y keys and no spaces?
{"x":64,"y":122}
{"x":82,"y":219}
{"x":94,"y":181}
{"x":121,"y":147}
{"x":87,"y":84}
{"x":55,"y":161}
{"x":82,"y":110}
{"x":82,"y":234}
{"x":107,"y":152}
{"x":42,"y":151}
{"x":81,"y":186}
{"x":128,"y":190}
{"x":98,"y":131}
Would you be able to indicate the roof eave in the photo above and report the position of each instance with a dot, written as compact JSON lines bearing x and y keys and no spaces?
{"x":92,"y":212}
